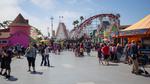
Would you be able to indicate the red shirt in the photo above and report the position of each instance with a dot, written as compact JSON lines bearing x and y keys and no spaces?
{"x":105,"y":50}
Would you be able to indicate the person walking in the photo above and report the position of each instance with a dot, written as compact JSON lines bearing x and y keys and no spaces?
{"x":19,"y":50}
{"x":1,"y":54}
{"x":3,"y":62}
{"x":119,"y":51}
{"x":42,"y":48}
{"x":81,"y":50}
{"x":113,"y":53}
{"x":31,"y":56}
{"x":88,"y":48}
{"x":106,"y":52}
{"x":46,"y":53}
{"x":100,"y":56}
{"x":8,"y":61}
{"x":134,"y":57}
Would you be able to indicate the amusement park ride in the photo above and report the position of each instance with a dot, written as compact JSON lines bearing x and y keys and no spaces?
{"x":100,"y":26}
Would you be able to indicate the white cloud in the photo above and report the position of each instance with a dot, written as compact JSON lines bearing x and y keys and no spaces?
{"x":10,"y":9}
{"x":8,"y":3}
{"x":46,"y":4}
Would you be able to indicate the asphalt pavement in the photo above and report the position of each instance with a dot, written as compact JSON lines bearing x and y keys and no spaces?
{"x":68,"y":69}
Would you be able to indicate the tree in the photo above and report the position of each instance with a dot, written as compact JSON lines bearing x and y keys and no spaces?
{"x":38,"y":31}
{"x":74,"y":23}
{"x":81,"y":18}
{"x":1,"y":25}
{"x":77,"y":23}
{"x":5,"y":24}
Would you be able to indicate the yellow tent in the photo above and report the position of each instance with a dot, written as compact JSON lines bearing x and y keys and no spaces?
{"x":142,"y":24}
{"x":137,"y":31}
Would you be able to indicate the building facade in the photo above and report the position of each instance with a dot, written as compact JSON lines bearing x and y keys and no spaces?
{"x":18,"y":32}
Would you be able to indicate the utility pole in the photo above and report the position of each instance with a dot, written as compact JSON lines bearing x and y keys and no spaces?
{"x":52,"y":26}
{"x":48,"y":32}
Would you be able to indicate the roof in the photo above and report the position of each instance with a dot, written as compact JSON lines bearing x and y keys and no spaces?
{"x":123,"y":26}
{"x":19,"y":20}
{"x":142,"y":24}
{"x":64,"y":30}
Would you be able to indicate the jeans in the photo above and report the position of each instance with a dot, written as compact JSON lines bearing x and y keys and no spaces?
{"x":43,"y":60}
{"x":31,"y":61}
{"x":47,"y":60}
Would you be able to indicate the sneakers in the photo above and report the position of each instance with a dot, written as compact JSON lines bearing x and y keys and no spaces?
{"x":29,"y":70}
{"x":146,"y":73}
{"x":7,"y":76}
{"x":4,"y":74}
{"x":34,"y":71}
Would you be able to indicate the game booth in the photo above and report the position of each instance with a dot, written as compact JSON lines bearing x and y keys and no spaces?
{"x":139,"y":32}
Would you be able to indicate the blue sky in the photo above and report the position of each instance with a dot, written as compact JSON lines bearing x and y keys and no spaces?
{"x":39,"y":11}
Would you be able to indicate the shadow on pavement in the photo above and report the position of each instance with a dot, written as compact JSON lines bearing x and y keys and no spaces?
{"x":12,"y":78}
{"x":147,"y":75}
{"x":38,"y":73}
{"x":113,"y":65}
{"x":144,"y":75}
{"x":52,"y":66}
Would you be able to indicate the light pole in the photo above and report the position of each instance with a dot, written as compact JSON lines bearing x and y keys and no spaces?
{"x":52,"y":26}
{"x":48,"y":33}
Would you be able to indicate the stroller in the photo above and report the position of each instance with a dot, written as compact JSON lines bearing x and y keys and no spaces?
{"x":143,"y":60}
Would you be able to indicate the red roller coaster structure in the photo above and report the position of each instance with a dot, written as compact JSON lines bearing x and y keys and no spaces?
{"x":114,"y":20}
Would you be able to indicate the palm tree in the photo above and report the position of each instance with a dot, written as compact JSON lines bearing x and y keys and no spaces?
{"x":74,"y":23}
{"x":1,"y":25}
{"x":5,"y":24}
{"x":81,"y":18}
{"x":77,"y":23}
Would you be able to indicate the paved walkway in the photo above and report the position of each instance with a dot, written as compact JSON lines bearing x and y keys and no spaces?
{"x":69,"y":69}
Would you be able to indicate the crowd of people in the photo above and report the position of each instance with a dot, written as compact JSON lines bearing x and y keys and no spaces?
{"x":6,"y":54}
{"x":106,"y":52}
{"x":129,"y":54}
